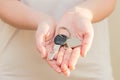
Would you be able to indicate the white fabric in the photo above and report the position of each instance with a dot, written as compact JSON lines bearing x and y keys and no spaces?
{"x":20,"y":60}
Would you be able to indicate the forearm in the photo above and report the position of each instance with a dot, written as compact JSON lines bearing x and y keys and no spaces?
{"x":96,"y":9}
{"x":19,"y":15}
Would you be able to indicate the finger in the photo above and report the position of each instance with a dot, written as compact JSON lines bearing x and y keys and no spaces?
{"x":74,"y":58}
{"x":86,"y":44}
{"x":66,"y":71}
{"x":64,"y":65}
{"x":40,"y":38}
{"x":60,"y":55}
{"x":54,"y":65}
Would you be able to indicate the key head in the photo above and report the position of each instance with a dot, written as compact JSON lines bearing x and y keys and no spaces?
{"x":60,"y":39}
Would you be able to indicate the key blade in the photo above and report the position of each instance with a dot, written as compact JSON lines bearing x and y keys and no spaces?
{"x":73,"y":42}
{"x":55,"y":51}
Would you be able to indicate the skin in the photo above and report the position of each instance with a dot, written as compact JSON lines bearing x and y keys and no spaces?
{"x":77,"y":20}
{"x":80,"y":27}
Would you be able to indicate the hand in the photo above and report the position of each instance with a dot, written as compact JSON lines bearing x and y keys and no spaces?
{"x":80,"y":26}
{"x":44,"y":40}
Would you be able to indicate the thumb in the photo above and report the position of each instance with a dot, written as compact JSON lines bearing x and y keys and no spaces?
{"x":40,"y":39}
{"x":86,"y":44}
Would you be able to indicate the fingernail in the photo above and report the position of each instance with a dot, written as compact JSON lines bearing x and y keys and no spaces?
{"x":67,"y":73}
{"x":64,"y":67}
{"x":72,"y":67}
{"x":43,"y":56}
{"x":84,"y":54}
{"x":59,"y":71}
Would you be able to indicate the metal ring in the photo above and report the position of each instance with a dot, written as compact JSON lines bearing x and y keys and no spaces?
{"x":66,"y":30}
{"x":64,"y":46}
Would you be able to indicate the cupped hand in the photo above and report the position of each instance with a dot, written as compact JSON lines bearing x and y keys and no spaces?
{"x":79,"y":24}
{"x":44,"y":40}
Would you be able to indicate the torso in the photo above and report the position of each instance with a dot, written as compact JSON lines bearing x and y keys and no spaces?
{"x":55,"y":8}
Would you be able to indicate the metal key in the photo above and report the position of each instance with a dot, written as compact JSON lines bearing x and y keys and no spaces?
{"x":59,"y":40}
{"x":55,"y":49}
{"x":73,"y":42}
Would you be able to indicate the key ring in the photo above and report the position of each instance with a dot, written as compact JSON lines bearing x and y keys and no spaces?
{"x":64,"y":28}
{"x":65,"y":46}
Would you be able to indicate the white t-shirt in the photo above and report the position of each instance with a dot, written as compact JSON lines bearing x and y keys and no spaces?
{"x":20,"y":60}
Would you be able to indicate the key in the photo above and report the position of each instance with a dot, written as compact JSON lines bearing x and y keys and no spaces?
{"x":73,"y":42}
{"x":55,"y":50}
{"x":59,"y":40}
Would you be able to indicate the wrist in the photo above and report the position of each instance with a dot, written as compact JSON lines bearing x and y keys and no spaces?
{"x":82,"y":13}
{"x":46,"y":19}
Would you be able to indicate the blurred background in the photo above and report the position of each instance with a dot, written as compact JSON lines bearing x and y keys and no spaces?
{"x":114,"y":27}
